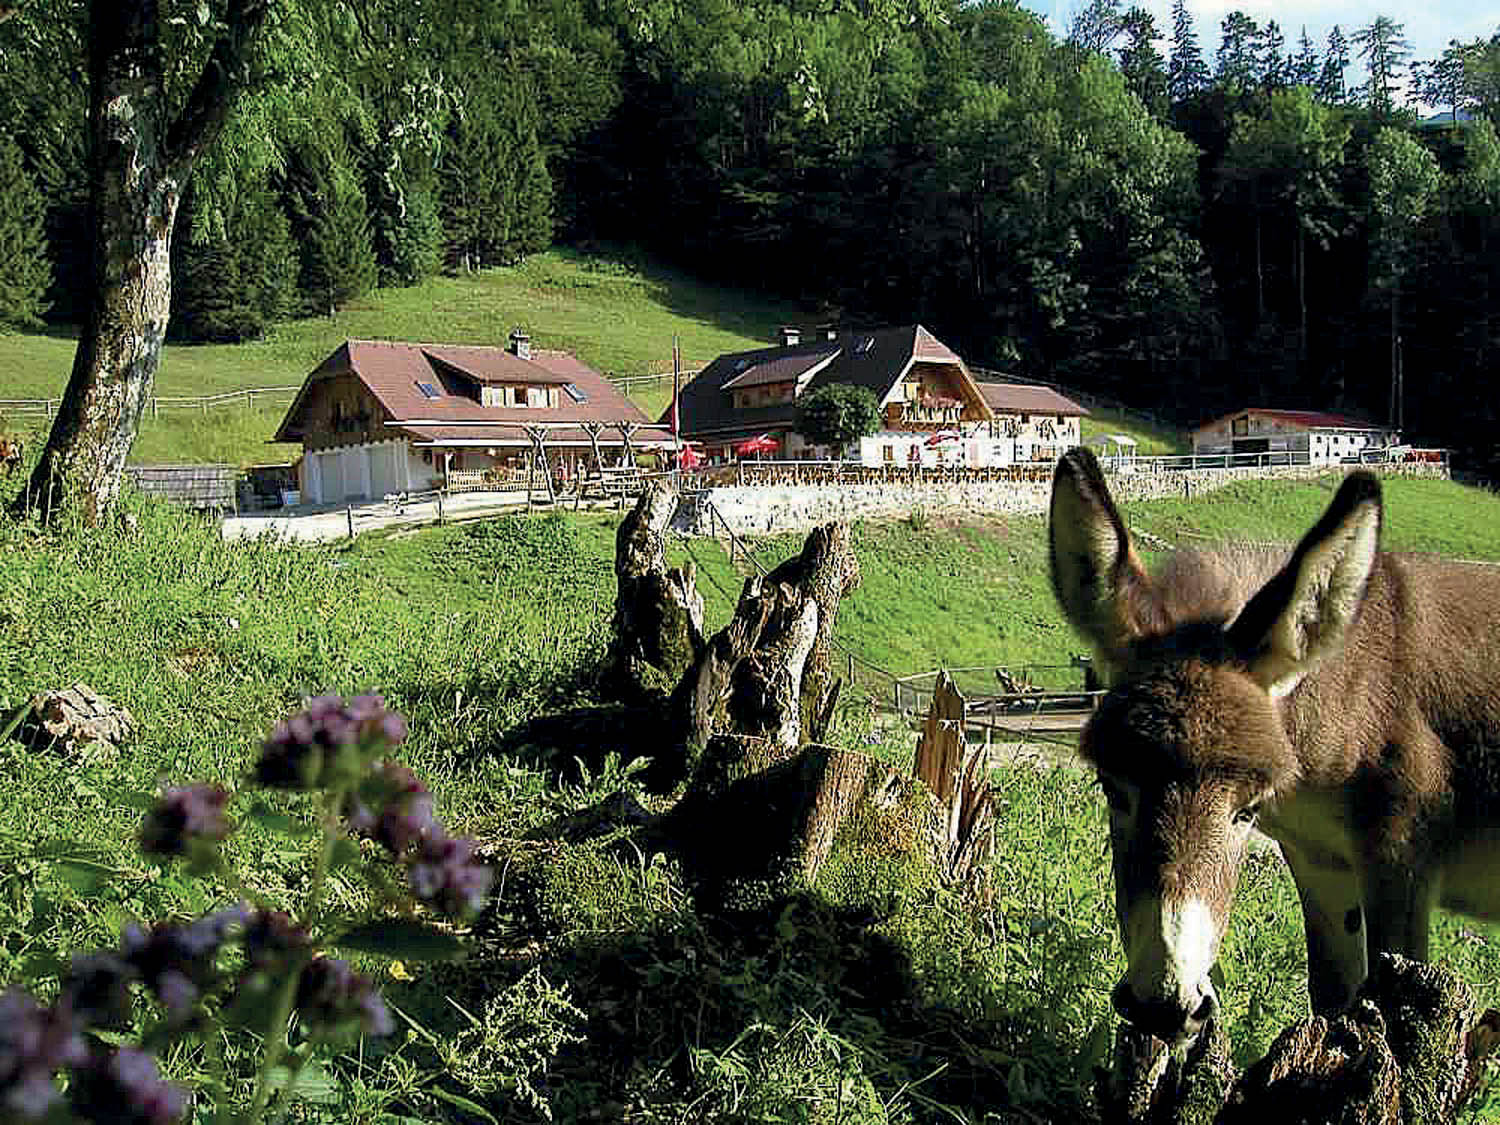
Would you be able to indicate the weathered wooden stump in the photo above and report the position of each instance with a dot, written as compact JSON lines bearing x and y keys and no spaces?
{"x":1410,"y":1052}
{"x":77,"y":722}
{"x":658,"y":619}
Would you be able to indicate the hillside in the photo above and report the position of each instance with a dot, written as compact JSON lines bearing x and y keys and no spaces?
{"x":618,"y":315}
{"x":602,"y":983}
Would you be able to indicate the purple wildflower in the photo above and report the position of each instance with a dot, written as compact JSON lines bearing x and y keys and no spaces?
{"x":124,"y":1087}
{"x":97,"y":988}
{"x":328,"y":742}
{"x":335,"y":1000}
{"x":35,"y":1043}
{"x":186,"y":821}
{"x":445,"y":877}
{"x":180,"y":963}
{"x":392,"y":807}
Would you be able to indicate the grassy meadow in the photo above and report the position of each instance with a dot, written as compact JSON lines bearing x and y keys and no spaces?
{"x":598,"y":989}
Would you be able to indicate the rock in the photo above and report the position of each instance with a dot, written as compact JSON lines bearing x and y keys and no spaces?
{"x":79,"y":723}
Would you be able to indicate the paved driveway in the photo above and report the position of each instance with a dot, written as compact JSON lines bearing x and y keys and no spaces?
{"x":327,"y":523}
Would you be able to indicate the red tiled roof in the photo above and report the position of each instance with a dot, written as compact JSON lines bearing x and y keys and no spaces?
{"x":391,"y":371}
{"x":1026,"y":398}
{"x":1307,"y":419}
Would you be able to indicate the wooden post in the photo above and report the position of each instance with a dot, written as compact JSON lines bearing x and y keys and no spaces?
{"x":349,"y":515}
{"x":851,"y":668}
{"x":440,"y":507}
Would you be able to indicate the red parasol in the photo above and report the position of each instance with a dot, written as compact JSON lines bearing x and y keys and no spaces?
{"x":942,"y":436}
{"x":688,"y":458}
{"x":765,"y":443}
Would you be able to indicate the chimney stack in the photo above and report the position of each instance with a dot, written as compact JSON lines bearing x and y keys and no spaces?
{"x":790,"y":336}
{"x":520,"y":344}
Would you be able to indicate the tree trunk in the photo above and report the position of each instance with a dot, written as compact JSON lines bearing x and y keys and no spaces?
{"x":139,"y":165}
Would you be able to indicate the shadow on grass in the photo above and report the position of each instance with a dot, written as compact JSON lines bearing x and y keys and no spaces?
{"x":790,"y":1009}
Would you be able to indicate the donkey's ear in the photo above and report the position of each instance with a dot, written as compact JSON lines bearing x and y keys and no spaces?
{"x":1306,"y":611}
{"x":1095,"y":572}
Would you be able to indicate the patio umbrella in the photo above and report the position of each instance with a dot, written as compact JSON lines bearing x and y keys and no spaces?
{"x":942,"y":436}
{"x":688,"y":458}
{"x":765,"y":443}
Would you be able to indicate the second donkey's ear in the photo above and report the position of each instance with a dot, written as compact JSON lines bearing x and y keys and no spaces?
{"x":1096,"y":575}
{"x":1305,"y":613}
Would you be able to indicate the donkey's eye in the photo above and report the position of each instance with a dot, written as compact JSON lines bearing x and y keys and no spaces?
{"x":1248,"y":814}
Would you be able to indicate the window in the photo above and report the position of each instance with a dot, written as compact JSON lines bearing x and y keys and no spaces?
{"x":429,"y":390}
{"x":888,"y":453}
{"x":1025,"y":419}
{"x":521,"y":396}
{"x":575,"y":392}
{"x":865,"y":345}
{"x":1241,"y":427}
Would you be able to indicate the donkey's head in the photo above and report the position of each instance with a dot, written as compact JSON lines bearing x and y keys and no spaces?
{"x":1188,"y":744}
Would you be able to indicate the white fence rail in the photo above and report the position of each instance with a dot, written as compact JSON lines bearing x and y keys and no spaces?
{"x":158,"y":404}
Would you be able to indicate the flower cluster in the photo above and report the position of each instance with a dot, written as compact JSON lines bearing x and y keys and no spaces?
{"x":187,"y":821}
{"x":124,"y":1087}
{"x":391,"y":807}
{"x":394,"y":809}
{"x":331,"y":745}
{"x":328,"y":743}
{"x":335,"y":1001}
{"x":35,"y":1043}
{"x":445,"y":876}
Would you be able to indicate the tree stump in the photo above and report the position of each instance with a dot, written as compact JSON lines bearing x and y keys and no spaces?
{"x":78,"y":723}
{"x":1410,"y":1052}
{"x":958,"y":776}
{"x":658,"y":619}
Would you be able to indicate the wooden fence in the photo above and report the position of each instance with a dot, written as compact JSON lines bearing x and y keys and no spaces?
{"x":156,"y":404}
{"x":208,"y":488}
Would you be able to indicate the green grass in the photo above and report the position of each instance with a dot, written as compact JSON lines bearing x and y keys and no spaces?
{"x":1151,"y":441}
{"x":600,"y":987}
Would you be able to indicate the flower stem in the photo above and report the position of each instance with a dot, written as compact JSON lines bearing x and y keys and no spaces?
{"x":286,"y":995}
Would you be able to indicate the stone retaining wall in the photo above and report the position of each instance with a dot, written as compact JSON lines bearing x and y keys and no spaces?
{"x":773,"y":509}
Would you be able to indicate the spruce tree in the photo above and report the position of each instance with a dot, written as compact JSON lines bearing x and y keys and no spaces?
{"x":1335,"y":62}
{"x":1273,"y":59}
{"x":473,"y":174}
{"x":235,"y":271}
{"x":527,"y":184}
{"x":414,"y":238}
{"x":1187,"y":73}
{"x":1304,"y":64}
{"x":24,"y":269}
{"x":1384,"y":47}
{"x":338,"y":257}
{"x":1238,"y":64}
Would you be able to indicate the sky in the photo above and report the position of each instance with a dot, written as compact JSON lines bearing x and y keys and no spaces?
{"x":1430,"y":24}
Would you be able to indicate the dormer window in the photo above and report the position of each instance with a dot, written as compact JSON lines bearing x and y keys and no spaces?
{"x":429,"y":390}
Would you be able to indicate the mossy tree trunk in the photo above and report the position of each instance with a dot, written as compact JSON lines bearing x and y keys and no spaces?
{"x":140,"y":160}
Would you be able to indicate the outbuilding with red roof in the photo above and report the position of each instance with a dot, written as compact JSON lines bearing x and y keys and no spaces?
{"x":1313,"y":437}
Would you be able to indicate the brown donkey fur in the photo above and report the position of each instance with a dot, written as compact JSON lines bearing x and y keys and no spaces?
{"x":1345,"y":699}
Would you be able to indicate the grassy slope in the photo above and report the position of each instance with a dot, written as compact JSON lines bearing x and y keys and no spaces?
{"x":1153,"y":441}
{"x":618,"y":317}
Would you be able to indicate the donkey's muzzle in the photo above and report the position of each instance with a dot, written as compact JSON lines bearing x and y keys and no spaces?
{"x":1167,"y":1018}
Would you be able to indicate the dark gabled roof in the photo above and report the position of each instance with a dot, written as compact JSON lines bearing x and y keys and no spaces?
{"x":392,"y":370}
{"x":1027,"y":398}
{"x":1307,"y":419}
{"x":874,"y":358}
{"x":778,"y":369}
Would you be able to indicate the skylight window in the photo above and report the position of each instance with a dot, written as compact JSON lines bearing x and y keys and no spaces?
{"x":741,"y":364}
{"x":575,"y":392}
{"x":866,"y":344}
{"x":429,"y":391}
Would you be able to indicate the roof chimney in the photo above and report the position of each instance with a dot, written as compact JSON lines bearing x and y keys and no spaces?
{"x":790,"y":336}
{"x":831,"y":331}
{"x":520,"y":344}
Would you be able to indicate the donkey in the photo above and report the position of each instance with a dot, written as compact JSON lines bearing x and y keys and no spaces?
{"x":1345,"y":700}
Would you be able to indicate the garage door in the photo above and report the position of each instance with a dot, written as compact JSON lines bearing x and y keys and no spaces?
{"x":331,"y":465}
{"x":384,"y":465}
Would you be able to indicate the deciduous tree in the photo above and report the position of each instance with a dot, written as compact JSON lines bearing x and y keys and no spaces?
{"x":837,"y":414}
{"x":144,"y":143}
